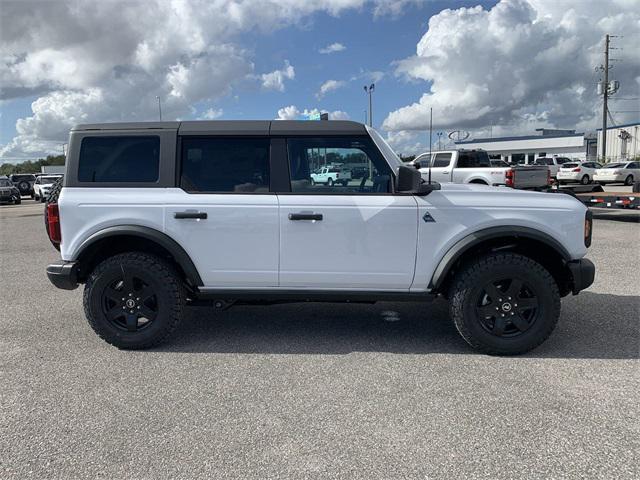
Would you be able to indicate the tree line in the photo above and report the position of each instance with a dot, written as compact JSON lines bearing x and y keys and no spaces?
{"x":31,"y":166}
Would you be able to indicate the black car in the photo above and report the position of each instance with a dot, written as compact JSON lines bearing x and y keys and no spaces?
{"x":9,"y":192}
{"x":23,"y":182}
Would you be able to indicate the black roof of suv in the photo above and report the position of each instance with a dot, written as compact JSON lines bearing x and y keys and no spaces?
{"x":239,"y":127}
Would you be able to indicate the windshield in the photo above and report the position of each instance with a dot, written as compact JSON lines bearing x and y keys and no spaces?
{"x":48,"y":179}
{"x":5,"y":183}
{"x":615,"y":165}
{"x":389,"y":155}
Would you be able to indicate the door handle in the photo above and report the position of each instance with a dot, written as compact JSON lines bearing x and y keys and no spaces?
{"x":197,"y":215}
{"x":305,"y":216}
{"x":445,"y":172}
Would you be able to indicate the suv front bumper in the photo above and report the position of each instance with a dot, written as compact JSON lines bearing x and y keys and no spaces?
{"x":63,"y":275}
{"x":583,"y":272}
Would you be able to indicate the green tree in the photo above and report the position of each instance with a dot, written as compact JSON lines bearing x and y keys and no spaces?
{"x":31,"y":166}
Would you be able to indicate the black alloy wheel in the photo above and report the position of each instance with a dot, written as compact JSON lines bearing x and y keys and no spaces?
{"x":504,"y":303}
{"x":507,"y":308}
{"x":134,"y":300}
{"x":129,"y":303}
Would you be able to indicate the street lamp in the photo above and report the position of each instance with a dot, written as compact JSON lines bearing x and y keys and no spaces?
{"x":159,"y":107}
{"x":370,"y":90}
{"x":439,"y":137}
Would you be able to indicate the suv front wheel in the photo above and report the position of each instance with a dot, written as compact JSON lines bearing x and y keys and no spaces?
{"x":504,"y":304}
{"x":134,"y":300}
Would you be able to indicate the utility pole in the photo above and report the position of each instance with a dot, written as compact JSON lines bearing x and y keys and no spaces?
{"x":430,"y":128}
{"x":370,"y":90}
{"x":605,"y":97}
{"x":159,"y":107}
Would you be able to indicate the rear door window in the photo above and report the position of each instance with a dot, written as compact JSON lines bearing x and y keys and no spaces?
{"x":119,"y":159}
{"x":225,"y":165}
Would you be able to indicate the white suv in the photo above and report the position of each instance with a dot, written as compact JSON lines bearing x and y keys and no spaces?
{"x":42,"y":186}
{"x":155,"y":216}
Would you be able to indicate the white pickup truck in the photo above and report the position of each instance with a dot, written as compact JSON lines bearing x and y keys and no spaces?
{"x":474,"y":166}
{"x":331,"y":174}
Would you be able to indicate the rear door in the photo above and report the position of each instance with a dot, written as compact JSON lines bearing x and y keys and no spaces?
{"x":349,"y":237}
{"x":223,"y":213}
{"x":441,"y":167}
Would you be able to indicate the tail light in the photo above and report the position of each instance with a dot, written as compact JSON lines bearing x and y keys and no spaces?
{"x":337,"y":175}
{"x":549,"y":181}
{"x":576,"y":169}
{"x":510,"y":178}
{"x":588,"y":228}
{"x":53,"y":219}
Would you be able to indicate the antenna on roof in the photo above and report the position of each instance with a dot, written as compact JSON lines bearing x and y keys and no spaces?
{"x":430,"y":135}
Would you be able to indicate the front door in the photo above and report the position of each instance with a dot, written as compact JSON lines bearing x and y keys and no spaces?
{"x":223,"y":213}
{"x":348,"y":237}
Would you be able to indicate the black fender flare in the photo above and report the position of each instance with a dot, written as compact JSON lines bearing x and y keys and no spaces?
{"x":165,"y":241}
{"x":463,"y":245}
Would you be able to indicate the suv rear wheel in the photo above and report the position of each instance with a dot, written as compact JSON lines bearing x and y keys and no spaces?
{"x":134,"y":300}
{"x":504,"y":304}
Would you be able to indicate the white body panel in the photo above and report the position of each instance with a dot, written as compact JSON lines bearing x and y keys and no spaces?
{"x":460,"y":210}
{"x":362,"y":242}
{"x":365,"y":242}
{"x":236,"y":245}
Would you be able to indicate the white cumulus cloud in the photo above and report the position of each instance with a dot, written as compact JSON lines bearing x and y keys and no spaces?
{"x":521,"y":64}
{"x":125,"y":53}
{"x":329,"y":86}
{"x":332,"y":48}
{"x":275,"y":80}
{"x":292,"y":112}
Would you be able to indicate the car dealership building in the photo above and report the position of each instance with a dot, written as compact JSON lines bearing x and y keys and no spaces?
{"x":525,"y":149}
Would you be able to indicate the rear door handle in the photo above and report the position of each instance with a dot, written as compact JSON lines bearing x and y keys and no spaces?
{"x":305,"y":216}
{"x":183,"y":215}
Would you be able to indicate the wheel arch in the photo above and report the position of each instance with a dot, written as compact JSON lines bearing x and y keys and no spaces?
{"x":121,"y":238}
{"x":532,"y":243}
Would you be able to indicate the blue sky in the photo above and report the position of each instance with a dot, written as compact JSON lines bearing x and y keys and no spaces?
{"x":501,"y":66}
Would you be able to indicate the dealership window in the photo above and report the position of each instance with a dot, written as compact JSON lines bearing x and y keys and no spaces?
{"x":335,"y":165}
{"x":518,"y":158}
{"x":121,"y":159}
{"x":225,"y":165}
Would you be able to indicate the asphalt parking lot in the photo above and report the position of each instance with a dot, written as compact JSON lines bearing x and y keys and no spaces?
{"x":315,"y":390}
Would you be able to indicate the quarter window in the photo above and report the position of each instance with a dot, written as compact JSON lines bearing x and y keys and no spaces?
{"x":225,"y":165}
{"x":337,"y":165}
{"x":119,"y":159}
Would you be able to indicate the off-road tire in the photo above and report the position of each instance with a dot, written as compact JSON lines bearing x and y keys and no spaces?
{"x":468,"y":284}
{"x":56,"y":188}
{"x":330,"y":182}
{"x":163,"y":279}
{"x":17,"y":201}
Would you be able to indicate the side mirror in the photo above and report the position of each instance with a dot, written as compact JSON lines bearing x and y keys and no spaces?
{"x":410,"y":181}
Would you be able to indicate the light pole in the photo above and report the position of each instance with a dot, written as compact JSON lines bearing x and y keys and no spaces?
{"x":439,"y":138}
{"x":370,"y":90}
{"x":159,"y":107}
